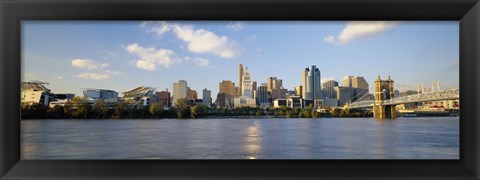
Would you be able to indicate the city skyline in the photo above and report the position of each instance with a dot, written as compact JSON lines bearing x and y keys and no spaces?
{"x":123,"y":55}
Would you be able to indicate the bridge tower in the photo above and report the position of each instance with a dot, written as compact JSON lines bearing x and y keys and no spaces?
{"x":383,"y":91}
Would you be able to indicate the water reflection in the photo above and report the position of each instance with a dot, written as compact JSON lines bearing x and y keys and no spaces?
{"x":253,"y":141}
{"x":323,"y":138}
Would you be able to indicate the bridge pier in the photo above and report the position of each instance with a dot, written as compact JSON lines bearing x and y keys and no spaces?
{"x":383,"y":91}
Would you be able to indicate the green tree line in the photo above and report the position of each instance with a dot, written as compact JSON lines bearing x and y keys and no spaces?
{"x":79,"y":108}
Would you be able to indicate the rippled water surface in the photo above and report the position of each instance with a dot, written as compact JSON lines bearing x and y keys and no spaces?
{"x":323,"y":138}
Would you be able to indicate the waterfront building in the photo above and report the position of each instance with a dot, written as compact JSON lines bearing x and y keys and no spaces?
{"x":180,"y":90}
{"x":61,"y":99}
{"x":164,"y":98}
{"x":347,"y":81}
{"x":275,"y":88}
{"x":192,"y":94}
{"x":227,"y":87}
{"x":294,"y":102}
{"x":244,"y":102}
{"x":270,"y":83}
{"x":254,"y":86}
{"x":108,"y":96}
{"x":279,"y":102}
{"x":246,"y":99}
{"x":344,"y":94}
{"x":207,"y":97}
{"x":262,"y":91}
{"x":280,"y":93}
{"x":311,"y":83}
{"x":140,"y":96}
{"x":240,"y":79}
{"x":359,"y":82}
{"x":223,"y":101}
{"x":298,"y":91}
{"x":247,"y":85}
{"x":328,"y":89}
{"x":331,"y":102}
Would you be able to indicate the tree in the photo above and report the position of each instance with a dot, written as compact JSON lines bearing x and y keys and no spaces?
{"x":197,"y":110}
{"x":156,"y":110}
{"x":288,"y":114}
{"x":183,"y":108}
{"x":101,"y":109}
{"x":57,"y":112}
{"x":120,"y":110}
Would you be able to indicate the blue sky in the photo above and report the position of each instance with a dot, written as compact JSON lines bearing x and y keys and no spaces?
{"x":122,"y":55}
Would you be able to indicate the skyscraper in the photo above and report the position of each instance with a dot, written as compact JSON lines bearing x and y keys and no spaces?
{"x":227,"y":87}
{"x":359,"y":82}
{"x":180,"y":90}
{"x":328,"y":89}
{"x":311,"y":83}
{"x":247,"y":85}
{"x":262,"y":93}
{"x":270,"y":83}
{"x":347,"y":81}
{"x":240,"y":79}
{"x":207,"y":97}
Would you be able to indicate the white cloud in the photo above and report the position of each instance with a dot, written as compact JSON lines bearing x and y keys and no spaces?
{"x":94,"y":76}
{"x":203,"y":41}
{"x":58,"y":77}
{"x":159,"y":27}
{"x":325,"y":79}
{"x":88,"y":64}
{"x":201,"y":62}
{"x":359,"y":29}
{"x":198,"y":40}
{"x":149,"y":58}
{"x":236,"y":26}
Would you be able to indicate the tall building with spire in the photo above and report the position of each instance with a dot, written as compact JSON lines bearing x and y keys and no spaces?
{"x":311,"y":83}
{"x":247,"y":86}
{"x":240,"y":79}
{"x":247,"y":97}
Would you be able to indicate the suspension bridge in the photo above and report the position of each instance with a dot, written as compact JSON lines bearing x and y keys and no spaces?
{"x":385,"y":99}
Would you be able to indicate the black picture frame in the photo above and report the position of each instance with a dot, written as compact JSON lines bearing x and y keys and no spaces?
{"x":12,"y":12}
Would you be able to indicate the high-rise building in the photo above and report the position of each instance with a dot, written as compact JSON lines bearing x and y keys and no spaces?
{"x":359,"y":82}
{"x":247,"y":97}
{"x":344,"y":94}
{"x":222,"y":100}
{"x":270,"y":83}
{"x":207,"y":97}
{"x":240,"y":79}
{"x":227,"y":87}
{"x":254,"y":85}
{"x":328,"y":89}
{"x":247,"y":85}
{"x":311,"y":83}
{"x":192,"y":94}
{"x":180,"y":91}
{"x":359,"y":85}
{"x":347,"y":81}
{"x":262,"y":92}
{"x":277,"y":84}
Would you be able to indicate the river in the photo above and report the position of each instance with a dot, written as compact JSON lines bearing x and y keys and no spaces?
{"x":246,"y":138}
